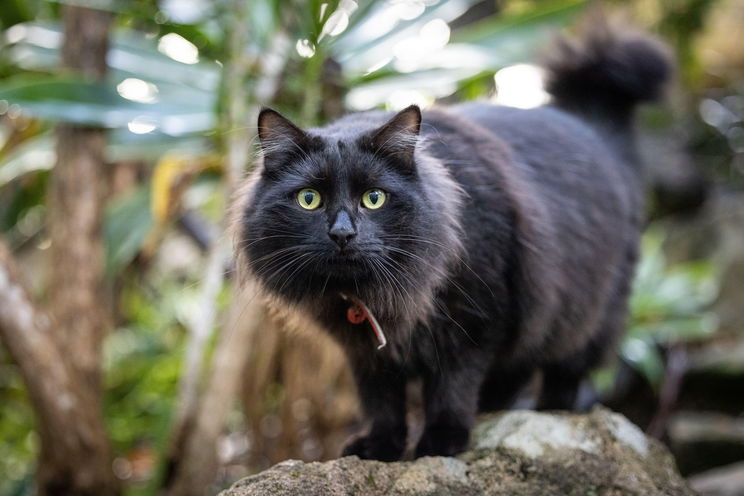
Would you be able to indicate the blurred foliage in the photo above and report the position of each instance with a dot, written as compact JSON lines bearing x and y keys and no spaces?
{"x":128,"y":220}
{"x":142,"y":363}
{"x":706,"y":39}
{"x":669,"y":305}
{"x":720,"y":143}
{"x":163,"y":102}
{"x":18,"y":441}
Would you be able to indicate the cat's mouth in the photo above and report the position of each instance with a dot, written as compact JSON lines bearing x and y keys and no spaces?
{"x":346,"y":265}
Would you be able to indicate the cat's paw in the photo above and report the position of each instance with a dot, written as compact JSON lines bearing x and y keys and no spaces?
{"x":443,"y":441}
{"x":383,"y":448}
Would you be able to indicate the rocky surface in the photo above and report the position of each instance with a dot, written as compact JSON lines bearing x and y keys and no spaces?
{"x":515,"y":453}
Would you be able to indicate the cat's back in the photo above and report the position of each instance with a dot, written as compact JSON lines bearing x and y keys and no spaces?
{"x":560,"y":157}
{"x":539,"y":134}
{"x":524,"y":127}
{"x":552,"y":145}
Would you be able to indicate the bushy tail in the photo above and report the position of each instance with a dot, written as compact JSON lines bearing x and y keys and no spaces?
{"x":605,"y":73}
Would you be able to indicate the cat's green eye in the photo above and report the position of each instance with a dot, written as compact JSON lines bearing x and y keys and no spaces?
{"x":309,"y":199}
{"x":373,"y":198}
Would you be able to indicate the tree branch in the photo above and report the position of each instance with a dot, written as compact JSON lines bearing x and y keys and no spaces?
{"x":192,"y":459}
{"x":75,"y":458}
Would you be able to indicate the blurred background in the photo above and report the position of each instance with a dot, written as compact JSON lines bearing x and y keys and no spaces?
{"x":126,"y":124}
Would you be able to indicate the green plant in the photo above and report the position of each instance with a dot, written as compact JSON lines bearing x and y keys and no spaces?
{"x":669,"y":304}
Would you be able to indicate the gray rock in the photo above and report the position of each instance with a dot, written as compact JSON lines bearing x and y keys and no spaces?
{"x":514,"y":453}
{"x":722,"y":481}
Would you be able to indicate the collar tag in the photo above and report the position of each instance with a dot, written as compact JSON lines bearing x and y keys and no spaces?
{"x":358,"y":313}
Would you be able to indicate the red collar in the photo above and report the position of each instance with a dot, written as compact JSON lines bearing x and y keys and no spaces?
{"x":358,"y":313}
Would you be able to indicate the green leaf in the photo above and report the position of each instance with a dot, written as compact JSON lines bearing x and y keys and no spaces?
{"x":33,"y":155}
{"x":497,"y":31}
{"x":15,"y":12}
{"x":126,"y":225}
{"x":34,"y":46}
{"x":644,"y":356}
{"x":434,"y":83}
{"x":61,"y":98}
{"x":123,"y":145}
{"x":363,"y":46}
{"x":365,"y":35}
{"x":488,"y":45}
{"x":603,"y":379}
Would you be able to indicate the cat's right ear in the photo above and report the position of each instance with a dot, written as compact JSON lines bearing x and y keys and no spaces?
{"x":398,"y":137}
{"x":279,"y":136}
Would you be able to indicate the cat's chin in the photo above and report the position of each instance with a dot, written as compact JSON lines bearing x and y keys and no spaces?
{"x":341,"y":281}
{"x":333,"y":280}
{"x":345,"y":267}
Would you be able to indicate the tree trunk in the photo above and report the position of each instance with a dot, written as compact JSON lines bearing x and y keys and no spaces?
{"x":59,"y":352}
{"x":75,"y":458}
{"x":75,"y":206}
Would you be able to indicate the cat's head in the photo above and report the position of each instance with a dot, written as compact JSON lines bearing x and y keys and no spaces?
{"x":354,"y":208}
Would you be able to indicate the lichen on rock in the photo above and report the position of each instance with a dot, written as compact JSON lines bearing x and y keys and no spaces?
{"x":512,"y":453}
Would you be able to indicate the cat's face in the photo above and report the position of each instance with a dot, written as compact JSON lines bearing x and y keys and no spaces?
{"x":338,"y":210}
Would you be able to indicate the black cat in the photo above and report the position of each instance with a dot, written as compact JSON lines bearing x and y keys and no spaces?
{"x":483,"y":243}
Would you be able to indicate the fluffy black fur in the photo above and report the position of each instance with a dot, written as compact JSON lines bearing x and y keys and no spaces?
{"x":506,"y":244}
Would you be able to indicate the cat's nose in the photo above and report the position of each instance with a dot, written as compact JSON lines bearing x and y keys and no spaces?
{"x":342,"y":231}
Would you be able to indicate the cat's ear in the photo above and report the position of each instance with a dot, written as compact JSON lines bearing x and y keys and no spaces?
{"x":398,"y":136}
{"x":279,"y":135}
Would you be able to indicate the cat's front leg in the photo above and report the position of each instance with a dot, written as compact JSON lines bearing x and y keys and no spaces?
{"x":450,"y":401}
{"x":382,"y":393}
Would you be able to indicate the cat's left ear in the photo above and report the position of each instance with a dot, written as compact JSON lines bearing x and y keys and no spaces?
{"x":279,"y":134}
{"x":397,"y":137}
